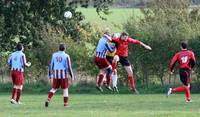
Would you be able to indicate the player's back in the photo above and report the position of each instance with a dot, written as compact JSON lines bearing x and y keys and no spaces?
{"x":184,"y":58}
{"x":17,"y":61}
{"x":60,"y":60}
{"x":101,"y":48}
{"x":101,"y":45}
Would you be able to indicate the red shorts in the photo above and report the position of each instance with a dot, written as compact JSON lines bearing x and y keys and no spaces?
{"x":101,"y":62}
{"x":17,"y":77}
{"x":57,"y":83}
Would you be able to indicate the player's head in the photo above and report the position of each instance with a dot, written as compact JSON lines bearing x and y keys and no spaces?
{"x":107,"y":34}
{"x":184,"y":45}
{"x":19,"y":47}
{"x":62,"y":47}
{"x":124,"y":36}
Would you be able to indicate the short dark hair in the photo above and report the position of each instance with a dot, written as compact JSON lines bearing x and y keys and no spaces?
{"x":19,"y":46}
{"x":124,"y":34}
{"x":184,"y":44}
{"x":62,"y":47}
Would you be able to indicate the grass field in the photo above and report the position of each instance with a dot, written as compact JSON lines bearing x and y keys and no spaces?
{"x":102,"y":106}
{"x":114,"y":20}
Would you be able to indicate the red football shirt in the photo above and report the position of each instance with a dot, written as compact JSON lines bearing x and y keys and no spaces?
{"x":122,"y":45}
{"x":185,"y":58}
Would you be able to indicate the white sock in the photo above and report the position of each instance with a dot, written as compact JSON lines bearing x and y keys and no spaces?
{"x":114,"y":80}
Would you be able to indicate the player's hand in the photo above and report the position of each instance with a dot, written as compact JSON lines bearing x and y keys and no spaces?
{"x":147,"y":47}
{"x":28,"y":64}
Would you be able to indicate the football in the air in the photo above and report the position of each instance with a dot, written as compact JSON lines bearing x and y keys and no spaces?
{"x":67,"y":14}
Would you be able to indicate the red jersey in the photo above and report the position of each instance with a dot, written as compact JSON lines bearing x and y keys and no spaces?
{"x":185,"y":58}
{"x":122,"y":45}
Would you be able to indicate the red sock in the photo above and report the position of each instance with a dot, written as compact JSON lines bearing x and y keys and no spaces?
{"x":132,"y":83}
{"x":18,"y":95}
{"x":14,"y":93}
{"x":178,"y":89}
{"x":50,"y":96}
{"x":65,"y":101}
{"x":114,"y":66}
{"x":108,"y":80}
{"x":100,"y":78}
{"x":187,"y":93}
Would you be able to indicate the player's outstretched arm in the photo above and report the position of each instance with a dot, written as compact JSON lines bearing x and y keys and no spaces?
{"x":145,"y":46}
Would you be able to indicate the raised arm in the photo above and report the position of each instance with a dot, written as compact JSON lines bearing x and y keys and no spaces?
{"x":134,"y":41}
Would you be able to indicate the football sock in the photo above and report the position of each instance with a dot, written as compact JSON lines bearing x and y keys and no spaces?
{"x":18,"y":94}
{"x":114,"y":80}
{"x":178,"y":89}
{"x":187,"y":93}
{"x":108,"y":80}
{"x":51,"y":93}
{"x":14,"y":90}
{"x":65,"y":99}
{"x":100,"y":78}
{"x":132,"y":83}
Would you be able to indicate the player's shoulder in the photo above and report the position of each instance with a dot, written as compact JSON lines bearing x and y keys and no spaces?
{"x":116,"y":39}
{"x":190,"y":52}
{"x":67,"y":55}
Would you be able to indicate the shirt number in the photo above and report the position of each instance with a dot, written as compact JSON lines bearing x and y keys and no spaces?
{"x":59,"y":59}
{"x":184,"y":59}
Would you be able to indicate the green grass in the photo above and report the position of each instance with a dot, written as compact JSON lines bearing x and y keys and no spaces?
{"x":102,"y":106}
{"x":114,"y":20}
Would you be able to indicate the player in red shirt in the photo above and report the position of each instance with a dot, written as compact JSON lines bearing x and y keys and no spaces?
{"x":186,"y":60}
{"x":122,"y":43}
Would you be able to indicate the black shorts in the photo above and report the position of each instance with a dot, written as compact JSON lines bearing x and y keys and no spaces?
{"x":185,"y":76}
{"x":109,"y":59}
{"x":124,"y":61}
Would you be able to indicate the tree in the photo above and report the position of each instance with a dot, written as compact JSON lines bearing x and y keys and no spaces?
{"x":23,"y":20}
{"x":163,"y":25}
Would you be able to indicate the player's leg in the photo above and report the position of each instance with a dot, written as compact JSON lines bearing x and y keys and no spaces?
{"x":99,"y":63}
{"x":114,"y":72}
{"x":126,"y":64}
{"x":108,"y":77}
{"x":130,"y":77}
{"x":184,"y":77}
{"x":186,"y":83}
{"x":100,"y":79}
{"x":19,"y":85}
{"x":19,"y":92}
{"x":64,"y":86}
{"x":114,"y":80}
{"x":55,"y":86}
{"x":114,"y":62}
{"x":14,"y":90}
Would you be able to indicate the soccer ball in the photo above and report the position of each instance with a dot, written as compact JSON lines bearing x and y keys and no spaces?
{"x":68,"y":14}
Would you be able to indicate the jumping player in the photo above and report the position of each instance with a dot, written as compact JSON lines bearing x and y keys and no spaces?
{"x":100,"y":59}
{"x":187,"y":61}
{"x":17,"y":62}
{"x":59,"y":69}
{"x":122,"y":43}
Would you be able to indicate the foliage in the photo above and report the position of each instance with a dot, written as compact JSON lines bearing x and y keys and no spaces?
{"x":163,"y":26}
{"x":23,"y":20}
